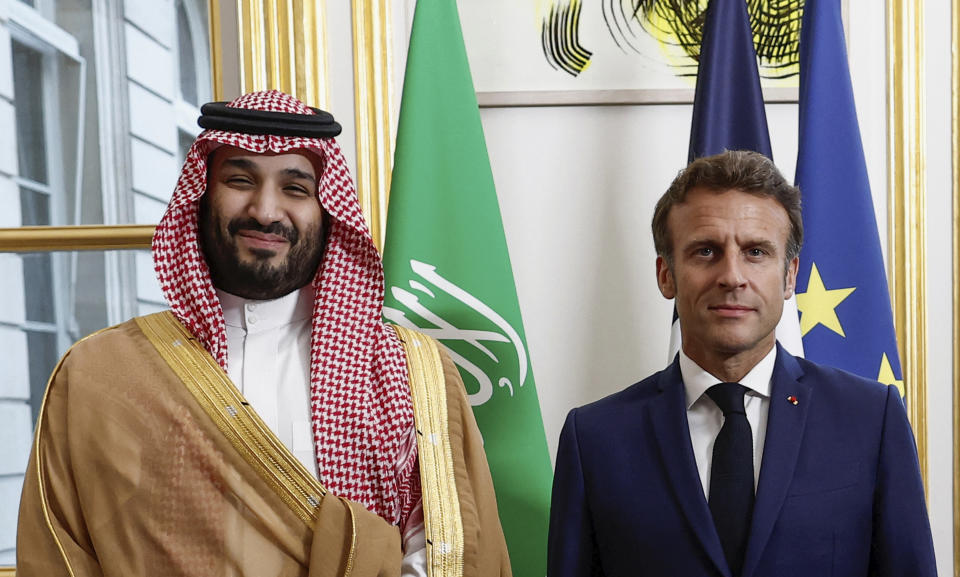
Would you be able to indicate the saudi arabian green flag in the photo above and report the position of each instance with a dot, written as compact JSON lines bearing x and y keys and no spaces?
{"x":448,"y":272}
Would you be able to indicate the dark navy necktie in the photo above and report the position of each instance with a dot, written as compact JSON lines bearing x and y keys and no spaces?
{"x":731,"y":474}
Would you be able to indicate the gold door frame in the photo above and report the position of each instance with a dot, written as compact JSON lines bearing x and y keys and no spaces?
{"x":907,"y":229}
{"x":373,"y":103}
{"x":279,"y":44}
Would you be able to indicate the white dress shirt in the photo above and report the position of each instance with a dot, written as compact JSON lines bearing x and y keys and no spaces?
{"x":268,"y":359}
{"x":705,"y":417}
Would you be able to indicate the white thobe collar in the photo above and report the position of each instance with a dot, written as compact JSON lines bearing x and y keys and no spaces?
{"x":255,"y":316}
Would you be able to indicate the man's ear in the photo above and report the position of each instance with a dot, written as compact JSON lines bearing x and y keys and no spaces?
{"x":665,"y":279}
{"x":790,"y":278}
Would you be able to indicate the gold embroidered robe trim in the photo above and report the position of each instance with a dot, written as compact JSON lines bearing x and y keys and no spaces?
{"x":238,"y":422}
{"x":441,"y":505}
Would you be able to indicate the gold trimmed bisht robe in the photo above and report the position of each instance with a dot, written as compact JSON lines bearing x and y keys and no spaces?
{"x":148,"y":461}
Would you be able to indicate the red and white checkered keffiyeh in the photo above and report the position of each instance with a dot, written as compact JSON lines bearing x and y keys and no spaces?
{"x":361,"y":407}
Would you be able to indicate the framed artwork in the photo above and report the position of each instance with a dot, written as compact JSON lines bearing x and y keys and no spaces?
{"x":557,"y":52}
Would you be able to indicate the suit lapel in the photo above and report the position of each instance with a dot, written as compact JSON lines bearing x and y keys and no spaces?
{"x":785,"y":425}
{"x":668,"y":416}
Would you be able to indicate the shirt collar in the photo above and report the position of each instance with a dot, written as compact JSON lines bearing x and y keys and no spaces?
{"x":696,"y":380}
{"x":256,"y":316}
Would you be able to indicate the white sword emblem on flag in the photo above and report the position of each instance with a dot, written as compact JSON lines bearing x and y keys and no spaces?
{"x":445,"y":331}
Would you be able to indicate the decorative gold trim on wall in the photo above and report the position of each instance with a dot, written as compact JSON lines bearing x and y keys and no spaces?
{"x":215,"y":46}
{"x":86,"y":237}
{"x":907,"y":197}
{"x":310,"y":49}
{"x":373,"y":93}
{"x":280,"y":43}
{"x":253,"y":57}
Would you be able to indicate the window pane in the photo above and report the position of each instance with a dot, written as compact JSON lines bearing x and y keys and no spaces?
{"x":39,"y":287}
{"x":28,"y":100}
{"x":34,"y":208}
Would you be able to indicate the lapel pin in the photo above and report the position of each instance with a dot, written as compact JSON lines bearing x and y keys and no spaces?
{"x":793,"y":400}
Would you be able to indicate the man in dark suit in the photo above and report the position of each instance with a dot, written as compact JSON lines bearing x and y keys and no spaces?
{"x":738,"y":459}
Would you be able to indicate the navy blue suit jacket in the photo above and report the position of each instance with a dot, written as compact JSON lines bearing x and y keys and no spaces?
{"x":839,"y":491}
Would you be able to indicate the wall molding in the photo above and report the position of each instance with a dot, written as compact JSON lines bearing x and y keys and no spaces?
{"x":907,"y":229}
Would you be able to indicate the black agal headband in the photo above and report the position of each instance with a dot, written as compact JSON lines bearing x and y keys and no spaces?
{"x":219,"y":116}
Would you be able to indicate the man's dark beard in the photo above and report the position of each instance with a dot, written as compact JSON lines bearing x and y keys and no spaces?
{"x":259,"y":280}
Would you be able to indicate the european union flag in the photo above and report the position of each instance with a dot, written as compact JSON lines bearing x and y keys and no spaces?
{"x":845,"y":316}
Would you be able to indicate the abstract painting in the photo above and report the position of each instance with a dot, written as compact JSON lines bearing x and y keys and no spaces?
{"x":677,"y":25}
{"x":627,"y":47}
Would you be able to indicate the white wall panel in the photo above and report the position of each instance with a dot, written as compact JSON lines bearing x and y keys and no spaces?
{"x":147,"y":210}
{"x":154,"y":171}
{"x":155,"y":17}
{"x":149,"y":63}
{"x":939,"y":370}
{"x":147,"y":286}
{"x":152,"y":118}
{"x":866,"y":43}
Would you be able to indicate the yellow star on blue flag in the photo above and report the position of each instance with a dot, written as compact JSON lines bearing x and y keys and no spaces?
{"x":886,"y":375}
{"x":840,"y":229}
{"x":818,"y":306}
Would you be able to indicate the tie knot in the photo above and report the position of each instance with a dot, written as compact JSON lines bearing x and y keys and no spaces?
{"x":728,"y":396}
